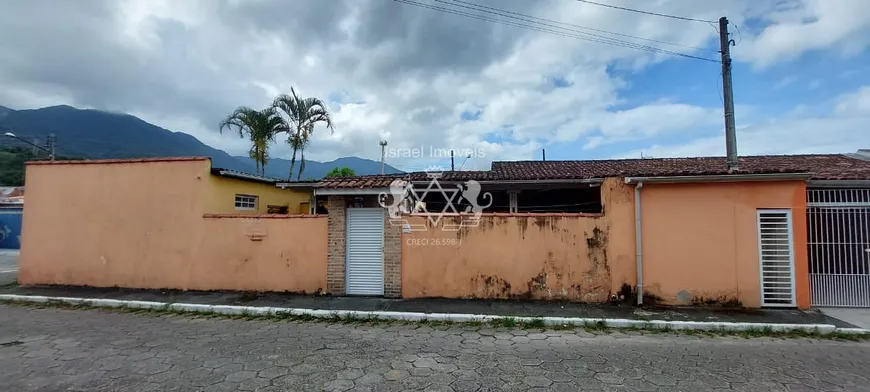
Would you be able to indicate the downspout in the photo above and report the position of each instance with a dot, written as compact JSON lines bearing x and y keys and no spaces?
{"x":638,"y":243}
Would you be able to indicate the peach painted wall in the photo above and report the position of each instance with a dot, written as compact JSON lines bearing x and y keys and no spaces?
{"x":700,"y":241}
{"x":140,"y":224}
{"x":290,"y":254}
{"x":578,"y":257}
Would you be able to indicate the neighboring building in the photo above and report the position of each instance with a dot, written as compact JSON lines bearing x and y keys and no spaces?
{"x":237,"y":192}
{"x":781,"y":231}
{"x":11,"y":207}
{"x":11,"y":195}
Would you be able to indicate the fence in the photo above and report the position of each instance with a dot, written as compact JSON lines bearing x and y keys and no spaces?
{"x":838,"y":229}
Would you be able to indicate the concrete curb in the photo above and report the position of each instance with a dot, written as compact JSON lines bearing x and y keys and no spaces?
{"x":415,"y":316}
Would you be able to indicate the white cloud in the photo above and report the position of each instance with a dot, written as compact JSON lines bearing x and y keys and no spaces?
{"x":800,"y":26}
{"x":399,"y":72}
{"x":855,"y":103}
{"x":843,"y":130}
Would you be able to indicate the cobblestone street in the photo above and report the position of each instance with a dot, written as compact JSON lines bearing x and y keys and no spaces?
{"x":90,"y":350}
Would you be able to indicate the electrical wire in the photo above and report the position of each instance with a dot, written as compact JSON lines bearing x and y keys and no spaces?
{"x":596,"y":37}
{"x":739,"y":35}
{"x":645,"y":12}
{"x":568,"y":24}
{"x":609,"y":41}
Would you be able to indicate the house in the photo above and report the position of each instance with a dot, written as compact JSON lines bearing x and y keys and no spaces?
{"x":785,"y":230}
{"x":167,"y":223}
{"x":238,"y":192}
{"x":11,"y":207}
{"x":678,"y":231}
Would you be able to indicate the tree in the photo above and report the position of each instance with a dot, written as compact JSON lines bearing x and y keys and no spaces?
{"x":260,"y":126}
{"x":340,"y":172}
{"x":300,"y":115}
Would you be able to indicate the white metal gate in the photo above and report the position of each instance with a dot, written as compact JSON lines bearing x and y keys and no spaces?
{"x":365,"y":251}
{"x":838,"y":241}
{"x":776,"y":257}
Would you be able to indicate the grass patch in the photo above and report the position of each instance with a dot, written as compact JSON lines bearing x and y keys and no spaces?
{"x":506,"y":322}
{"x":598,"y":326}
{"x":535,"y":323}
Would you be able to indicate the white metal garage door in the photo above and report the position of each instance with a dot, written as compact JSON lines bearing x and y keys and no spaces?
{"x":365,"y":251}
{"x":776,"y":257}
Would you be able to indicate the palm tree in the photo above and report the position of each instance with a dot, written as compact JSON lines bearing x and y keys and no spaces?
{"x":260,"y":126}
{"x":300,"y":116}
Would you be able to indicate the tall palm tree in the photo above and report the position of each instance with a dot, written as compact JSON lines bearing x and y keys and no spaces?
{"x":260,"y":126}
{"x":300,"y":116}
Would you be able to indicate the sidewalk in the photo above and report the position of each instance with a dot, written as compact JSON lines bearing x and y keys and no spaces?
{"x":8,"y":266}
{"x":511,"y":308}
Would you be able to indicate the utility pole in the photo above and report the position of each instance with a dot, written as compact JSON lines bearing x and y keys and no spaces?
{"x":451,"y":161}
{"x":544,"y":154}
{"x":52,"y":141}
{"x":383,"y":154}
{"x":728,"y":94}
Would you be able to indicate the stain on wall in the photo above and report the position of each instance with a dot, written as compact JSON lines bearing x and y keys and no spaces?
{"x":550,"y":257}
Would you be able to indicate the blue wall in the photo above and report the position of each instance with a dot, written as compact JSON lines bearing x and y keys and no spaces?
{"x":10,"y":227}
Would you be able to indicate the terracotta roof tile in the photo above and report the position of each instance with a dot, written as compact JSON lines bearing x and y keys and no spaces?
{"x":822,"y":167}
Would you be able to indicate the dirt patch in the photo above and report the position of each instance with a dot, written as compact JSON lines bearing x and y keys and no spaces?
{"x":723,"y":301}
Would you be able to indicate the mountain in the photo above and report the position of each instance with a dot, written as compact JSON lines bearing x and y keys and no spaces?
{"x":279,"y":168}
{"x":95,"y":134}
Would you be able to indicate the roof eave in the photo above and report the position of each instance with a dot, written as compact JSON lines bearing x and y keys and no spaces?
{"x":720,"y":178}
{"x":298,"y":185}
{"x":241,"y":176}
{"x":839,"y":183}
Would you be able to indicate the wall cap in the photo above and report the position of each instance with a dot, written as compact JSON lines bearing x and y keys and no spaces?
{"x":109,"y":161}
{"x":260,"y":216}
{"x":520,"y":214}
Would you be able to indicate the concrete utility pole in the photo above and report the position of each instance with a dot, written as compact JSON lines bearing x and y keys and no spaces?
{"x":383,"y":154}
{"x":728,"y":94}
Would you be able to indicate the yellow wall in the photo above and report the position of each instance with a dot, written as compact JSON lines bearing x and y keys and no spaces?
{"x":222,"y":196}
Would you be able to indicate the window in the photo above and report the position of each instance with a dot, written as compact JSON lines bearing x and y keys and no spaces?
{"x":246,"y":202}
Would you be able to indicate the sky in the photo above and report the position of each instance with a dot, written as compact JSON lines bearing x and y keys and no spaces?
{"x":431,"y":80}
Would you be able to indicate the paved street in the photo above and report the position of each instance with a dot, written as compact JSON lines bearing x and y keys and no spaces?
{"x":90,"y":350}
{"x":8,"y":266}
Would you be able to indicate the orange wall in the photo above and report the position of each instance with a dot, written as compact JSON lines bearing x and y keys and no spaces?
{"x":289,"y":256}
{"x":580,"y":257}
{"x":700,"y":241}
{"x":140,"y":224}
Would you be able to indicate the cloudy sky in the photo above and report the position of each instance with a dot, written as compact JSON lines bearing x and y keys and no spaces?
{"x":419,"y":77}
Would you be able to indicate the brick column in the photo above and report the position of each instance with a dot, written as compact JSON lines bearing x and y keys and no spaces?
{"x":392,"y":259}
{"x":335,"y":259}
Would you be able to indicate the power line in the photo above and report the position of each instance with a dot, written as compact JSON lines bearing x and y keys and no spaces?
{"x":606,"y":40}
{"x":572,"y":25}
{"x":536,"y":24}
{"x":646,"y":12}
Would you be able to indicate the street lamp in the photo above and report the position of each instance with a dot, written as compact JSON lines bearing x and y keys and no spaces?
{"x":51,"y":144}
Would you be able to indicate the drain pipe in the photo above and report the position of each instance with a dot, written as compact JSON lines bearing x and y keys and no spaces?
{"x":637,"y":241}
